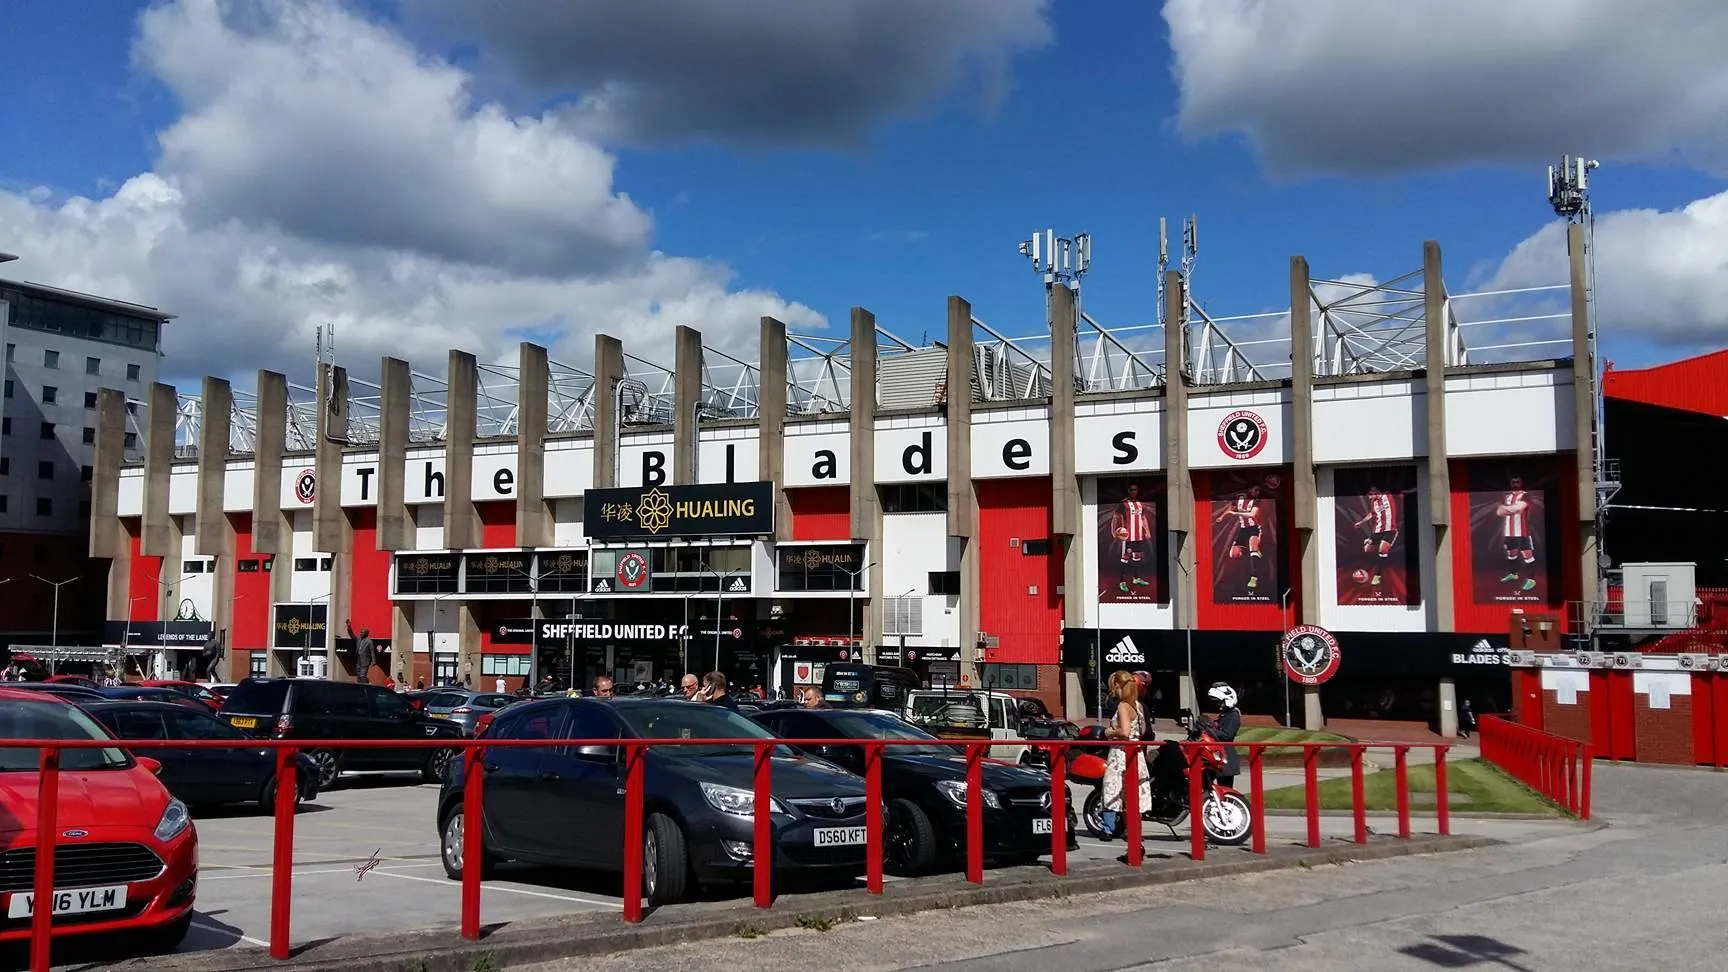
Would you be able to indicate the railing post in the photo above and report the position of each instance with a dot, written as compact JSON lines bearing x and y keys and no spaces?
{"x":1131,"y":802}
{"x":1058,"y":810}
{"x":873,"y":847}
{"x":282,"y":860}
{"x":1311,"y":791}
{"x":1402,"y":758}
{"x":473,"y":840}
{"x":47,"y":835}
{"x":762,"y":855}
{"x":974,"y":813}
{"x":1196,"y":803}
{"x":1358,"y":796}
{"x":1442,"y":801}
{"x":633,"y":787}
{"x":1257,"y":798}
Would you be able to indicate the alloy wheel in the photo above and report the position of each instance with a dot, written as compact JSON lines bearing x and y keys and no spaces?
{"x":650,"y":864}
{"x":453,"y":838}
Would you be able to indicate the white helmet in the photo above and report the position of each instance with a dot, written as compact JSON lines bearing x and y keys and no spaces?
{"x":1223,"y":694}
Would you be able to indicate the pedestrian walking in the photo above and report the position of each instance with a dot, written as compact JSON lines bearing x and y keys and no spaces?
{"x":1129,"y":723}
{"x":1466,"y":720}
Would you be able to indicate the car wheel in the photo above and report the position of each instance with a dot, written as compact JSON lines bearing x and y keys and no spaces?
{"x":267,"y":799}
{"x":909,"y":845}
{"x":169,"y":936}
{"x":328,"y":764}
{"x":453,"y":843}
{"x":437,"y":766}
{"x":665,"y":862}
{"x":1094,"y":812}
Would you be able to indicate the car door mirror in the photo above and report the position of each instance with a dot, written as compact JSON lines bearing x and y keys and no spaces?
{"x":596,"y":754}
{"x":153,"y":766}
{"x":843,"y":756}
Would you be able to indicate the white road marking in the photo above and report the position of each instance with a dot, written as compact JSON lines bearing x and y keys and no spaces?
{"x":496,"y":887}
{"x":247,"y":872}
{"x":214,"y":930}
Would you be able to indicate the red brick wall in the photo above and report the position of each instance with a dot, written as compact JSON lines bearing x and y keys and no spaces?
{"x":1663,"y":735}
{"x":1570,"y":721}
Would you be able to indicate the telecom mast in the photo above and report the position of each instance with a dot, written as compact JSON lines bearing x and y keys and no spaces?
{"x":1060,"y":260}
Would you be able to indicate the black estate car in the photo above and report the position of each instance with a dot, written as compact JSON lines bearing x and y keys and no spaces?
{"x":564,"y":805}
{"x":925,"y":786}
{"x":200,"y":776}
{"x":313,"y":709}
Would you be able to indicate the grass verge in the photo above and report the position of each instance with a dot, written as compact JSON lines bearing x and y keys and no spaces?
{"x":1485,"y":787}
{"x":1287,"y":735}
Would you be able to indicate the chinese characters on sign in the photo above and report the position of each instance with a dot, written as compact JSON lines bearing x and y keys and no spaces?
{"x":713,"y":510}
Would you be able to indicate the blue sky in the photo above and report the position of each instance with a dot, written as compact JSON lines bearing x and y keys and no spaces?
{"x":931,"y":204}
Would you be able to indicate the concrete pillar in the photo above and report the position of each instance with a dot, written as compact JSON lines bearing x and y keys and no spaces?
{"x":270,"y":533}
{"x":1313,"y":719}
{"x":686,"y":398}
{"x":608,"y":372}
{"x":1584,"y":421}
{"x":107,"y":533}
{"x":461,"y":418}
{"x":1448,"y":708}
{"x":1179,"y":501}
{"x":329,"y":523}
{"x":771,"y":417}
{"x":866,"y":503}
{"x":533,"y":391}
{"x":161,"y":414}
{"x":213,"y":530}
{"x":402,"y":643}
{"x":1065,"y":528}
{"x":281,"y":591}
{"x":962,"y":495}
{"x":395,"y":523}
{"x":1186,"y":695}
{"x":1434,"y":398}
{"x":167,"y":591}
{"x":1302,"y":489}
{"x":468,"y":647}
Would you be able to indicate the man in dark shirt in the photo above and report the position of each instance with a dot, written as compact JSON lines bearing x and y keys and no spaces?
{"x":714,"y":692}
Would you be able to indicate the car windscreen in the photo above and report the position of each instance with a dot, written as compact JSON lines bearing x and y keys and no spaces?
{"x":694,"y":720}
{"x":263,"y":698}
{"x":875,"y":725}
{"x":53,"y":720}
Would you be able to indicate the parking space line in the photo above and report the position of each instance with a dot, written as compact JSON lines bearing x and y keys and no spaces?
{"x":258,"y":872}
{"x":496,"y":887}
{"x":212,"y":929}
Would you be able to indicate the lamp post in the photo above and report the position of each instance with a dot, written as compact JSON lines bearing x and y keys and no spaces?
{"x":432,"y":634}
{"x":306,"y":649}
{"x":719,"y":606}
{"x":898,"y":597}
{"x":54,"y":633}
{"x":852,"y":600}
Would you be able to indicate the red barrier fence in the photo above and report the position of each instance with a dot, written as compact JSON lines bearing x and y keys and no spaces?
{"x":1554,"y":766}
{"x":632,"y":762}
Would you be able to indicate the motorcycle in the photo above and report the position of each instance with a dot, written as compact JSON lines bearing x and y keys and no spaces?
{"x":1224,"y":815}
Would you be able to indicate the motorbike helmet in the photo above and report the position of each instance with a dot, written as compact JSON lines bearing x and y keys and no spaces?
{"x":1223,"y":694}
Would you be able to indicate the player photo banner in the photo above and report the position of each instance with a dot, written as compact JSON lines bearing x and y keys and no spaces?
{"x":1377,"y":552}
{"x":1512,"y":532}
{"x":1132,"y":552}
{"x":1247,"y":547}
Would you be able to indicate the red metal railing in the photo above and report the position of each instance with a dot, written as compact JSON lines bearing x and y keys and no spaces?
{"x":633,"y":756}
{"x":1554,"y":766}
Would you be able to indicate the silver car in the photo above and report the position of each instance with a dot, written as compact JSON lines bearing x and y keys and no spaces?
{"x":463,"y":707}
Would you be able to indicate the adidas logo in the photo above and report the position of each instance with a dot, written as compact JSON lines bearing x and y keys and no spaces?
{"x":602,"y":587}
{"x":738,"y":585}
{"x":1125,"y":652}
{"x":1484,"y":645}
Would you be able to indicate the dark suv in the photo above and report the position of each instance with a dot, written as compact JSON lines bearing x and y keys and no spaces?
{"x":311,"y":709}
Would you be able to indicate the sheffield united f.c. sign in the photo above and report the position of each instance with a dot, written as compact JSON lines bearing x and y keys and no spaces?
{"x":1310,"y":654}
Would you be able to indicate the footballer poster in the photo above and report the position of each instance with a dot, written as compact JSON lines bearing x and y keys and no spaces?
{"x":1131,"y":540}
{"x":1378,"y":561}
{"x":1512,"y":532}
{"x":1247,"y":548}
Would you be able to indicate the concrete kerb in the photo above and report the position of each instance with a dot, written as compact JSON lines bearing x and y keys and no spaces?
{"x":439,"y":949}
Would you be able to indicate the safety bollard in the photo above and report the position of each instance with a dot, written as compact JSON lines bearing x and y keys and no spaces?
{"x":1196,"y":805}
{"x":1257,"y":798}
{"x":762,"y":854}
{"x":1131,"y":807}
{"x":1058,"y":810}
{"x":1584,"y":784}
{"x":1442,"y":806}
{"x":282,"y":858}
{"x":633,"y":794}
{"x":975,"y":813}
{"x":1402,"y":758}
{"x":873,"y":847}
{"x":473,"y":840}
{"x":1358,"y":796}
{"x":1311,"y":794}
{"x":47,"y":834}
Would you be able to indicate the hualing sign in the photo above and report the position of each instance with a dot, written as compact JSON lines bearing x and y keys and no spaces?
{"x":663,"y":512}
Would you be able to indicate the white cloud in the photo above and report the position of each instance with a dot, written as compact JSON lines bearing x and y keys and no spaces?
{"x":324,"y":171}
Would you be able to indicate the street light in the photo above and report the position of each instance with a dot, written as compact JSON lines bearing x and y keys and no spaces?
{"x":719,"y":606}
{"x":852,"y":600}
{"x":898,"y":597}
{"x":54,"y":636}
{"x":306,"y":649}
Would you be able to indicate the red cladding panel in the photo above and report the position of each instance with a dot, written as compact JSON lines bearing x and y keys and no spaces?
{"x":821,"y":513}
{"x":1487,"y":584}
{"x":1224,"y":601}
{"x":1697,"y":384}
{"x":487,"y":616}
{"x":146,"y":579}
{"x":1029,"y":625}
{"x":369,"y":576}
{"x":497,"y":524}
{"x":251,"y":588}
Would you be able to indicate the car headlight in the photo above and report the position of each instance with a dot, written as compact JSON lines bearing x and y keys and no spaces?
{"x":955,"y":791}
{"x":174,"y":821}
{"x":730,"y":799}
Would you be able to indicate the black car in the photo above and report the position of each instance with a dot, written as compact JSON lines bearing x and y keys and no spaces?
{"x":564,"y":805}
{"x":201,"y":776}
{"x":70,"y":691}
{"x":140,"y":693}
{"x":925,"y":786}
{"x":314,"y":710}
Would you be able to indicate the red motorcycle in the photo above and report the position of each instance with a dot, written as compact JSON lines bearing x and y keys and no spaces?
{"x":1224,"y":816}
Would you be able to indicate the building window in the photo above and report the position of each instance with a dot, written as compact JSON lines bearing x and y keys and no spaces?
{"x":9,"y":388}
{"x":44,"y":506}
{"x":945,"y":582}
{"x":11,"y":351}
{"x":84,"y":510}
{"x":89,"y":435}
{"x":503,"y":665}
{"x":326,"y":564}
{"x":47,"y":430}
{"x":86,"y":473}
{"x":1020,"y":678}
{"x":50,"y":394}
{"x":45,"y":470}
{"x":5,"y":426}
{"x":89,"y":399}
{"x":131,"y":372}
{"x":131,"y":440}
{"x":258,"y":664}
{"x":915,"y":498}
{"x":2,"y":502}
{"x":306,"y":563}
{"x":192,"y":567}
{"x":5,"y":465}
{"x":51,"y":359}
{"x":92,"y":366}
{"x":1035,"y":548}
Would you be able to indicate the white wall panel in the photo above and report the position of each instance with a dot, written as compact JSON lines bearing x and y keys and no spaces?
{"x":1010,"y":449}
{"x":197,"y":588}
{"x":306,"y":585}
{"x":237,"y":490}
{"x":1153,"y":616}
{"x":1372,"y":617}
{"x":1509,"y":414}
{"x":567,"y":528}
{"x":131,"y":492}
{"x":818,"y":459}
{"x":911,"y":453}
{"x":914,"y":545}
{"x":360,"y":480}
{"x":647,"y":459}
{"x":297,"y":471}
{"x":439,"y":618}
{"x":1119,"y":437}
{"x":725,"y":456}
{"x":1211,"y":416}
{"x":183,"y":491}
{"x":428,"y":526}
{"x":1363,"y":421}
{"x":494,"y":474}
{"x":569,"y":471}
{"x":423,"y":477}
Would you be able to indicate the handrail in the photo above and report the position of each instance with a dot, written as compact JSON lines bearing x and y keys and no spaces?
{"x":1554,"y":766}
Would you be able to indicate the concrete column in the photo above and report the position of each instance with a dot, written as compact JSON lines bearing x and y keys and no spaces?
{"x":1313,"y":719}
{"x":1303,"y":491}
{"x":161,"y":414}
{"x":461,"y":418}
{"x":341,"y":597}
{"x":1065,"y":529}
{"x":1448,"y":708}
{"x":771,"y":419}
{"x":402,"y":644}
{"x":215,"y":420}
{"x":1179,"y":496}
{"x":1434,"y":399}
{"x":329,"y":523}
{"x":281,"y":590}
{"x":866,"y":503}
{"x":1584,"y":421}
{"x":107,"y":533}
{"x":167,"y":591}
{"x":608,"y":372}
{"x":270,"y":533}
{"x":962,"y":494}
{"x":686,"y":398}
{"x":533,"y":388}
{"x":468,"y":647}
{"x":395,"y":523}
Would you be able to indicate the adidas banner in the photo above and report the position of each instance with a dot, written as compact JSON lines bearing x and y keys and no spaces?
{"x":1247,"y":655}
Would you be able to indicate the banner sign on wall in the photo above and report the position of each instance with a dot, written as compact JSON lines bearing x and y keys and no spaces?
{"x":1247,"y":547}
{"x":820,"y":567}
{"x":1310,"y":653}
{"x":299,"y":625}
{"x":427,"y":573}
{"x":628,"y":571}
{"x":711,"y":510}
{"x":157,"y":634}
{"x":1513,"y":520}
{"x":497,"y":573}
{"x":1377,"y":557}
{"x":562,"y":571}
{"x":1132,"y":550}
{"x":522,"y":631}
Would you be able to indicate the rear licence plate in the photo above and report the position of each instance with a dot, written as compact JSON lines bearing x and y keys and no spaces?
{"x":243,"y":722}
{"x":1041,"y":825}
{"x":78,"y":901}
{"x":439,"y":715}
{"x":840,"y":836}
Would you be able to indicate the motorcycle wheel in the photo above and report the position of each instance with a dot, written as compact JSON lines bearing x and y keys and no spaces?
{"x":1227,"y":820}
{"x":1093,"y":811}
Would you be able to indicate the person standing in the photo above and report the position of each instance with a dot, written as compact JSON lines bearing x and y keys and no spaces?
{"x":1128,"y":724}
{"x":714,"y":692}
{"x":363,"y":652}
{"x":689,"y":686}
{"x":604,"y":688}
{"x":1466,"y":719}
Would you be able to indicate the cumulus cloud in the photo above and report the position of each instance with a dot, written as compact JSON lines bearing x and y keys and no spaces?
{"x":769,"y":71}
{"x":323,"y":171}
{"x":1346,"y":86}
